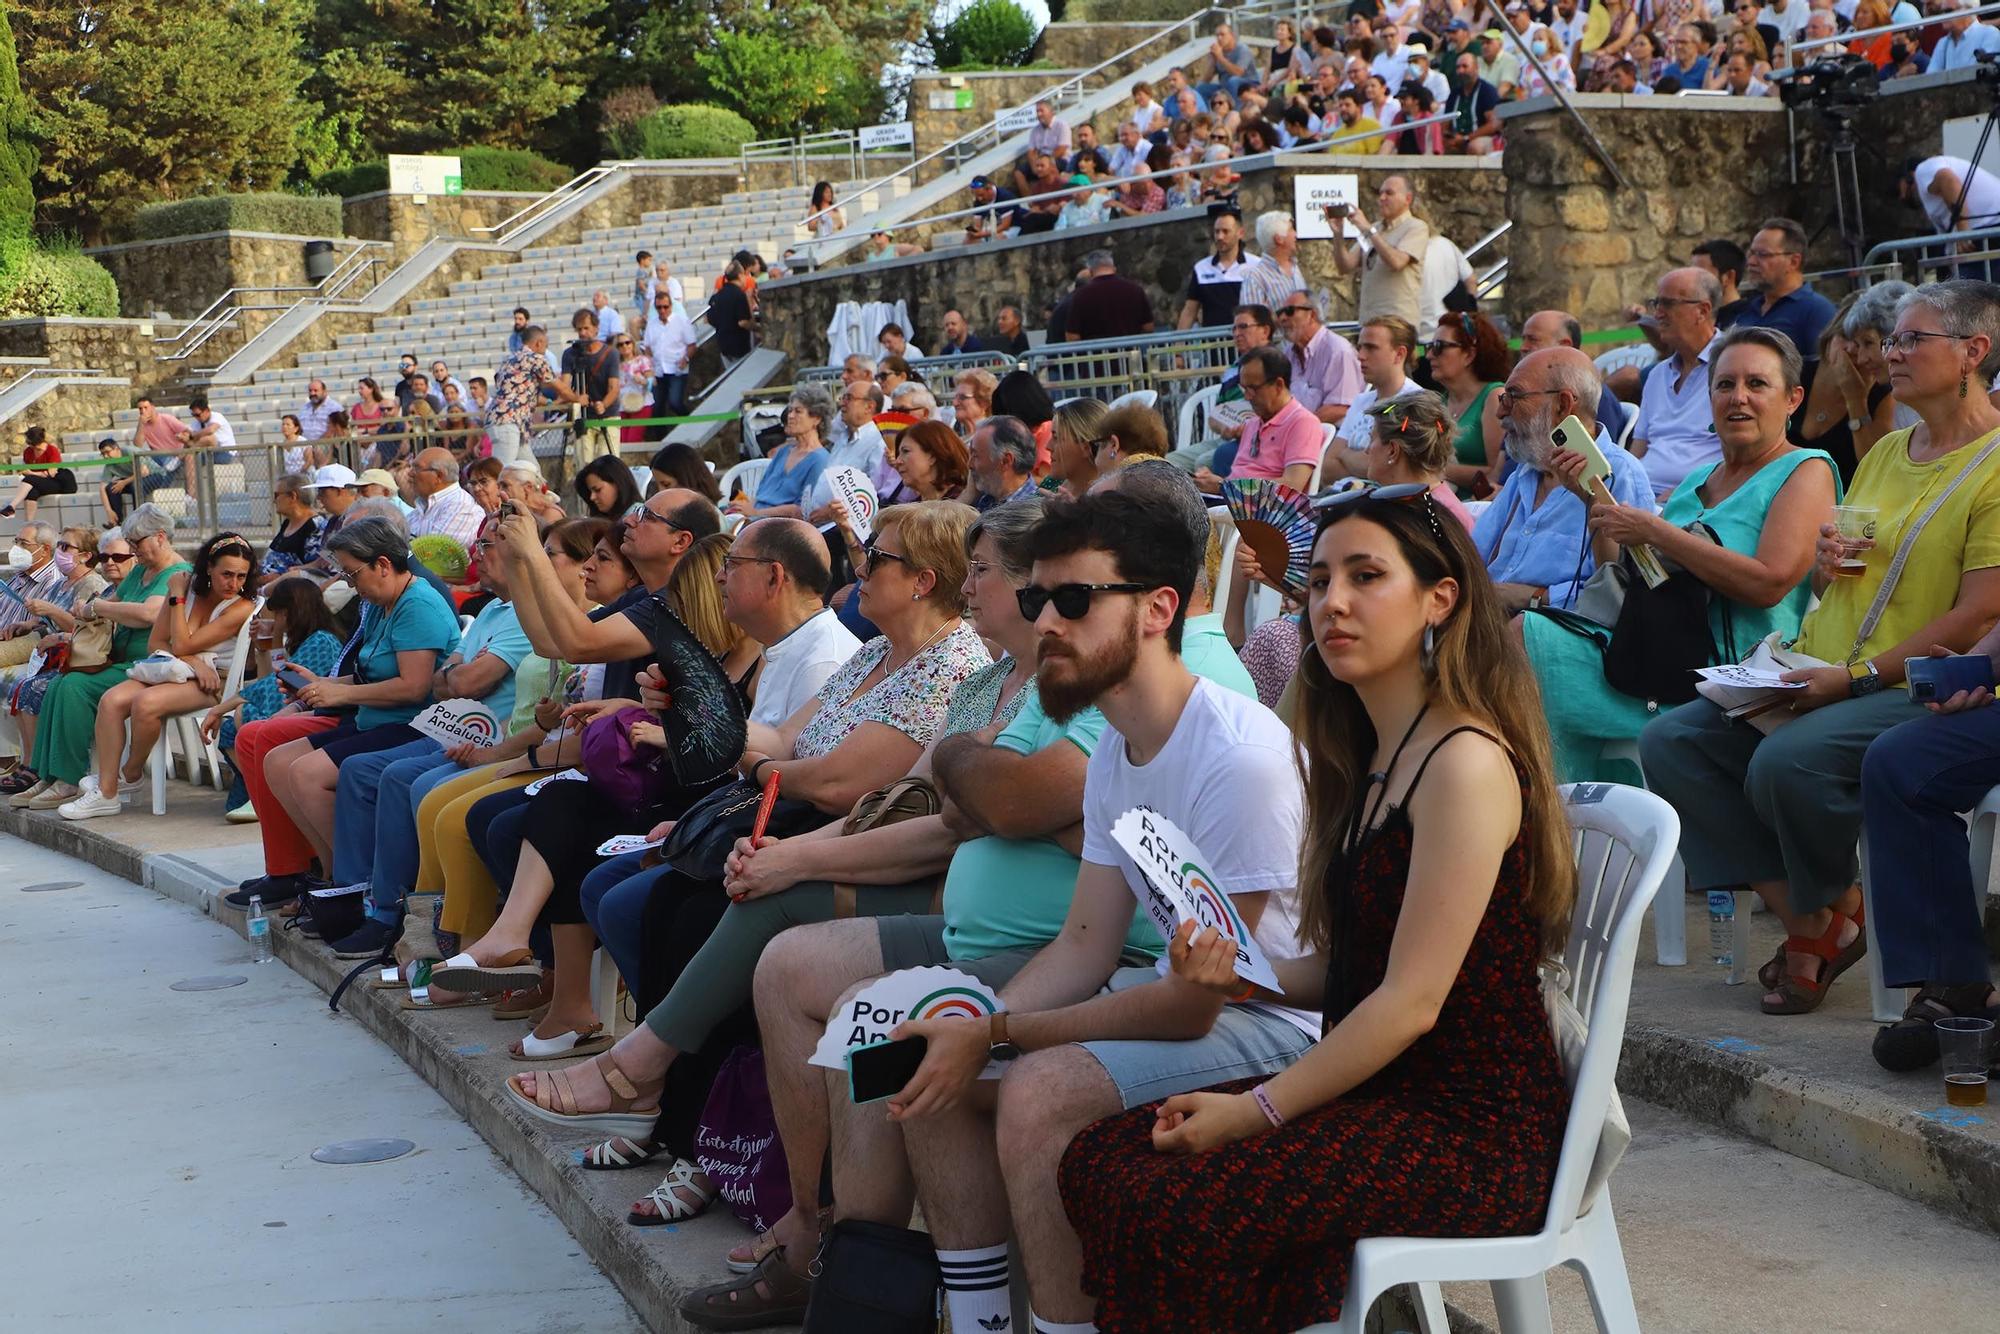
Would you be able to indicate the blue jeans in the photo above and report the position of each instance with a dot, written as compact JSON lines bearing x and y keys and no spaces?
{"x":495,"y":824}
{"x":1915,"y":780}
{"x":670,"y":396}
{"x":375,"y":840}
{"x":614,"y":903}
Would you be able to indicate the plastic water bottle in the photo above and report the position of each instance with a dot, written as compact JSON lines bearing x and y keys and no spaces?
{"x":260,"y":931}
{"x":1722,"y":927}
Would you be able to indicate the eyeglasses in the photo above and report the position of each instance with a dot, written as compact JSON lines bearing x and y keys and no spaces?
{"x":1657,"y":303}
{"x":730,"y":562}
{"x":1072,"y":601}
{"x":1292,"y":310}
{"x":652,"y":516}
{"x":872,"y":553}
{"x":1771,"y":254}
{"x":1100,"y":442}
{"x":65,"y":546}
{"x":1908,"y":340}
{"x":114,"y":558}
{"x":1438,"y":345}
{"x":1507,"y":395}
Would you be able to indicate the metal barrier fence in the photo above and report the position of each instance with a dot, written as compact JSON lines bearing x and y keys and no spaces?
{"x":937,"y":373}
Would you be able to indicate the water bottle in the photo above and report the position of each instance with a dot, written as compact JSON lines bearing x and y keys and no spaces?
{"x":1722,"y":927}
{"x":260,"y":931}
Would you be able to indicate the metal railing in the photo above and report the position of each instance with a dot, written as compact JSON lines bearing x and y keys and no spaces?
{"x":1555,"y":90}
{"x":828,"y":147}
{"x":1069,"y":90}
{"x":224,"y":310}
{"x":936,"y":373}
{"x":1911,"y":255}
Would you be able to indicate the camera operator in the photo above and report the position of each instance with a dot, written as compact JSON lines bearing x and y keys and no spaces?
{"x":1957,"y":197}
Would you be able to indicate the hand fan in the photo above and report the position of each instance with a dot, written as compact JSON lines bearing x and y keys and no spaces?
{"x":1276,"y":523}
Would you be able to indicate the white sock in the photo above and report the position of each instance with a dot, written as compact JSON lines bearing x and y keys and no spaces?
{"x":1053,"y":1327}
{"x":975,"y":1289}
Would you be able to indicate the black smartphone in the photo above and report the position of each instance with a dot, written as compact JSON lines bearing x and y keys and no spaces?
{"x":1339,"y":210}
{"x":292,"y":679}
{"x":883,"y":1069}
{"x":1934,"y":680}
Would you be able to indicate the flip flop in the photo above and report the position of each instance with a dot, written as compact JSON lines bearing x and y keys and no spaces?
{"x":468,"y":1002}
{"x":587,"y":1042}
{"x":462,"y":972}
{"x":555,"y":1103}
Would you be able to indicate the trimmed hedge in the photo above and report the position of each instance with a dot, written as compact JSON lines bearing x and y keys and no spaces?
{"x":270,"y":211}
{"x":514,"y":169}
{"x":683,"y":131}
{"x":60,"y":284}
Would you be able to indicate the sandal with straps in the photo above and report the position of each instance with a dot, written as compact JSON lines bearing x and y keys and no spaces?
{"x":554,"y":1101}
{"x":771,"y":1294}
{"x":617,"y":1152}
{"x":1772,"y":971}
{"x":758,"y":1247}
{"x":1803,"y":995}
{"x":1911,"y":1043}
{"x":669,"y":1206}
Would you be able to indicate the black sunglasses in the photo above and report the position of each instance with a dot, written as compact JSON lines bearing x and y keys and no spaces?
{"x":870,"y":553}
{"x":1072,"y":601}
{"x":1339,"y":503}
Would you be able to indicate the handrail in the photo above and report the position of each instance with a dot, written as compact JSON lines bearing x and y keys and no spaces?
{"x":1488,"y":239}
{"x":1862,"y":34}
{"x":212,"y":321}
{"x":1597,"y":148}
{"x":1192,"y":169}
{"x":1875,"y":258}
{"x":1053,"y":91}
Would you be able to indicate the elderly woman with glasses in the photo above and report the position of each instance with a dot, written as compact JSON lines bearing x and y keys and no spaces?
{"x":300,"y":528}
{"x":798,"y":463}
{"x":1774,"y":800}
{"x":1851,"y":406}
{"x":67,"y":718}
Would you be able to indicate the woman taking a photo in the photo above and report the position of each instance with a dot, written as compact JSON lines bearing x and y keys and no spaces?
{"x":1437,"y":875}
{"x":1468,"y":359}
{"x":1782,"y":811}
{"x":1764,"y":502}
{"x":205,"y":608}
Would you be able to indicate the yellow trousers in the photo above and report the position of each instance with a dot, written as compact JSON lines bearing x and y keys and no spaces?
{"x":446,"y":855}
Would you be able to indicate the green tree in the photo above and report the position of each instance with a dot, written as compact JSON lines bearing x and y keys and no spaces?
{"x":412,"y":75}
{"x":781,"y":86}
{"x":857,"y":39}
{"x":17,"y":163}
{"x":158,"y":99}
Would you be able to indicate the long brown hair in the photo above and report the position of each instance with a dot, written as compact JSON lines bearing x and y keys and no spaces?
{"x":1480,"y":673}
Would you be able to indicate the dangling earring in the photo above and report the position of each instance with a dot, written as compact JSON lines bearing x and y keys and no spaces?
{"x":1427,"y":654}
{"x":1963,"y":376}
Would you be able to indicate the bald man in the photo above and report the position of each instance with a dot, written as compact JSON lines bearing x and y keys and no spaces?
{"x":1675,"y":433}
{"x":1559,"y":328}
{"x":444,"y":508}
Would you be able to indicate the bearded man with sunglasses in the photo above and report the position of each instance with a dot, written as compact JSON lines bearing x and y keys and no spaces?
{"x":1090,"y":1025}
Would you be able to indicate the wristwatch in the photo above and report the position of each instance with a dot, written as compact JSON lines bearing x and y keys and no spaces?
{"x":1863,"y":678}
{"x":1001,"y":1048}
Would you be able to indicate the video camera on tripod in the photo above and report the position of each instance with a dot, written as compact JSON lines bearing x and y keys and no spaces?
{"x":1839,"y":84}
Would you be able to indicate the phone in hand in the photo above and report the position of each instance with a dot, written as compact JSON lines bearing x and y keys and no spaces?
{"x":1935,"y":680}
{"x":292,"y":679}
{"x":883,"y":1069}
{"x":1571,"y":434}
{"x":1339,"y":209}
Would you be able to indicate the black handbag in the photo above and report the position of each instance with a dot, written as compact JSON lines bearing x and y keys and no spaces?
{"x":706,"y":833}
{"x":874,"y":1279}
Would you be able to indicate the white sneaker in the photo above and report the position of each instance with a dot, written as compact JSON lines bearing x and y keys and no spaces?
{"x":89,"y":803}
{"x":244,"y":814}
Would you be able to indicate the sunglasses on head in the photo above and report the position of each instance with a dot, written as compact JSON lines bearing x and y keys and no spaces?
{"x":1341,"y":503}
{"x":1072,"y":601}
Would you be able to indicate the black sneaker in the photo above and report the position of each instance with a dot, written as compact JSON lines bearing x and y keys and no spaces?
{"x":273,"y":889}
{"x":370,"y":940}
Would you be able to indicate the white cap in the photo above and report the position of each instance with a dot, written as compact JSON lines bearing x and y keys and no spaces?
{"x":333,"y":474}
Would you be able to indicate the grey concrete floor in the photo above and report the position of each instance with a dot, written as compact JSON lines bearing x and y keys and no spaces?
{"x":155,"y":1166}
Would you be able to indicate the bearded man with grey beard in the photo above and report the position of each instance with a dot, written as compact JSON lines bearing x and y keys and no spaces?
{"x":1534,"y":536}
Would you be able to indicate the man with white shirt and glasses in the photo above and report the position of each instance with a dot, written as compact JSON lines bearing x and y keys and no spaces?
{"x":1675,"y":433}
{"x":670,"y":341}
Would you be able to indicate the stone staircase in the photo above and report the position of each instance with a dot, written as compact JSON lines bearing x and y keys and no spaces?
{"x":467,"y":328}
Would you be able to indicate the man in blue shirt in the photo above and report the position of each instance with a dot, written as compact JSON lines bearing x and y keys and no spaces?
{"x":1783,"y":302}
{"x":1964,"y":38}
{"x":1532,"y":536}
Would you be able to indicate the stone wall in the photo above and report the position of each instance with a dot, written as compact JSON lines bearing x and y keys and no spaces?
{"x":407,"y":225}
{"x":180,"y":276}
{"x":991,"y":92}
{"x":67,"y":408}
{"x":113,"y":347}
{"x":1465,"y":196}
{"x":1082,"y":45}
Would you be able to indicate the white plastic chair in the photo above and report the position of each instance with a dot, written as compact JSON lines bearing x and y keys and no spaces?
{"x":1142,"y":398}
{"x":1194,"y":415}
{"x":743,"y":476}
{"x":1670,"y":907}
{"x":1631,"y":411}
{"x":1220,"y":521}
{"x":1624,"y":839}
{"x":186,"y":727}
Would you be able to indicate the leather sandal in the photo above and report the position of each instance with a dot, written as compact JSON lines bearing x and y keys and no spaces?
{"x":677,"y":1198}
{"x":771,"y":1294}
{"x":618,"y":1152}
{"x":554,"y":1101}
{"x":1772,"y":971}
{"x":1911,"y":1043}
{"x":1802,"y":995}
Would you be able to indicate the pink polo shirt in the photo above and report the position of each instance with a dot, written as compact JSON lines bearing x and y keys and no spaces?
{"x":1269,"y":447}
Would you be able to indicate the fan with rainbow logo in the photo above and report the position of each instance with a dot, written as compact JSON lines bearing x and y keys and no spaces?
{"x":1276,"y":523}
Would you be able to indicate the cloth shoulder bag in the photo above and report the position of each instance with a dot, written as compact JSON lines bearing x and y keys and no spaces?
{"x":160,"y":668}
{"x":736,"y":1144}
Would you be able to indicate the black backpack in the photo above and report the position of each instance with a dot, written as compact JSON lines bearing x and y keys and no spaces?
{"x":1661,"y":635}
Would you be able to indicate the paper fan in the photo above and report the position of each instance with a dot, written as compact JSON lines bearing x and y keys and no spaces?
{"x":1276,"y":523}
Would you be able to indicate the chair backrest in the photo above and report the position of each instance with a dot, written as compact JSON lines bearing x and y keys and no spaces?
{"x":1625,"y":839}
{"x":1631,"y":412}
{"x":1194,"y":415}
{"x":236,"y":663}
{"x":743,"y":475}
{"x":1328,"y":433}
{"x":1144,"y":398}
{"x":1221,"y":523}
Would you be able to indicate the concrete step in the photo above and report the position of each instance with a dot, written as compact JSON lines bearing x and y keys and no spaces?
{"x":1806,"y":1084}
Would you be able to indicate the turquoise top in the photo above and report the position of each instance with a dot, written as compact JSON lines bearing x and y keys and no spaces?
{"x":1738,"y":523}
{"x":421,"y":618}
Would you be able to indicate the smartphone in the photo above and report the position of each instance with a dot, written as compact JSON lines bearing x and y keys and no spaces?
{"x":1934,"y":680}
{"x":883,"y":1069}
{"x":1339,"y":210}
{"x":1572,"y":435}
{"x":292,"y":679}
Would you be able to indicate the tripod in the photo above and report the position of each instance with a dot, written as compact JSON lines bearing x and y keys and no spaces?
{"x":1846,"y":178}
{"x":1988,"y":74}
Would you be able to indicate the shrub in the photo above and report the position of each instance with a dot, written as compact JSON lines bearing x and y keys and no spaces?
{"x":993,"y":33}
{"x":286,"y":214}
{"x":683,"y":131}
{"x":61,"y":283}
{"x":479,"y":169}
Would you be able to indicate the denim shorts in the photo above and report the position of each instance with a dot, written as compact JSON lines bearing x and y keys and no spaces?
{"x":1246,"y":1041}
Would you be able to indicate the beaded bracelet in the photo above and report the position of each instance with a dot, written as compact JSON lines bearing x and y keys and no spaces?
{"x":1264,"y":1104}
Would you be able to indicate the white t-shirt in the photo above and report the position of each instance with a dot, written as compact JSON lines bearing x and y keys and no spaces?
{"x":1357,"y":429}
{"x":798,"y":665}
{"x":1226,"y":778}
{"x":1982,"y":201}
{"x":1445,"y":266}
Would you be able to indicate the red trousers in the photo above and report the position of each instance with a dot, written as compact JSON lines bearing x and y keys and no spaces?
{"x":286,"y":851}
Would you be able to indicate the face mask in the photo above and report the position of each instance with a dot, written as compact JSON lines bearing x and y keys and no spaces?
{"x":19,"y":558}
{"x":1540,"y":48}
{"x":65,"y":562}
